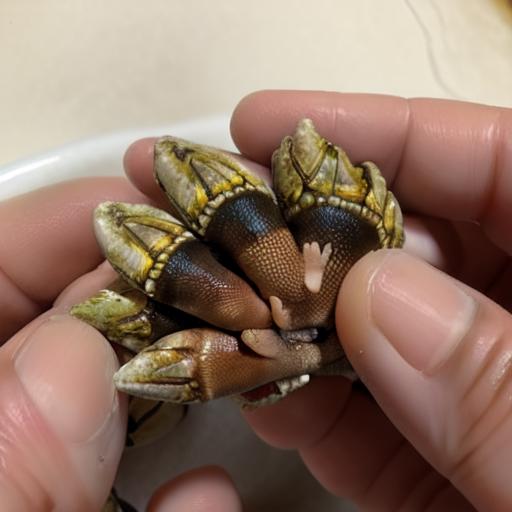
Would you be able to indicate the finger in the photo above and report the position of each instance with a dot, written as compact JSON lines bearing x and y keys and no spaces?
{"x":446,"y":159}
{"x":49,"y":241}
{"x":352,"y":449}
{"x":138,"y":165}
{"x":62,"y":425}
{"x":304,"y":416}
{"x":86,"y":286}
{"x":459,"y":248}
{"x":437,"y":356}
{"x":207,"y":489}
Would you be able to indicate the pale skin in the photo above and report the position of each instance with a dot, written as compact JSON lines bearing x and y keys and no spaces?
{"x":435,"y":353}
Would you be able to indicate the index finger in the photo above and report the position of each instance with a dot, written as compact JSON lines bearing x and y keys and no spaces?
{"x":47,"y":242}
{"x":442,"y":158}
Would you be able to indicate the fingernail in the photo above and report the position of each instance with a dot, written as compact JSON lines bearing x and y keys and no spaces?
{"x":419,"y":310}
{"x":67,"y":374}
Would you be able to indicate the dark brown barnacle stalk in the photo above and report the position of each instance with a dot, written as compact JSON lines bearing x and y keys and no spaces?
{"x":216,"y":196}
{"x":336,"y":211}
{"x":156,"y":254}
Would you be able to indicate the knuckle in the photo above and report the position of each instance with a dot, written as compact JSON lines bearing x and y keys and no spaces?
{"x":482,"y":407}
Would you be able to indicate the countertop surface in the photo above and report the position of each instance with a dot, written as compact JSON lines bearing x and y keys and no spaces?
{"x":80,"y":68}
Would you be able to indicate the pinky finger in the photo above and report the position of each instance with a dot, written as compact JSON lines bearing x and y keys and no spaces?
{"x":206,"y":489}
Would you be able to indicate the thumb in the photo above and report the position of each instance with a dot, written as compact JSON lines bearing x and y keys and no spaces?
{"x":437,"y":357}
{"x":61,"y":425}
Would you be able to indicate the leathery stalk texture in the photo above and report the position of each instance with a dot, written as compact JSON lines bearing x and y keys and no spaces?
{"x":233,"y":294}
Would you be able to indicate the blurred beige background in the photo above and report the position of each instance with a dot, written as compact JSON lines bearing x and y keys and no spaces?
{"x":80,"y":68}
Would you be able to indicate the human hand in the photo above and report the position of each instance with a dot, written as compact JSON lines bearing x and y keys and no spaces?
{"x":435,"y":352}
{"x":348,"y":443}
{"x":62,"y":424}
